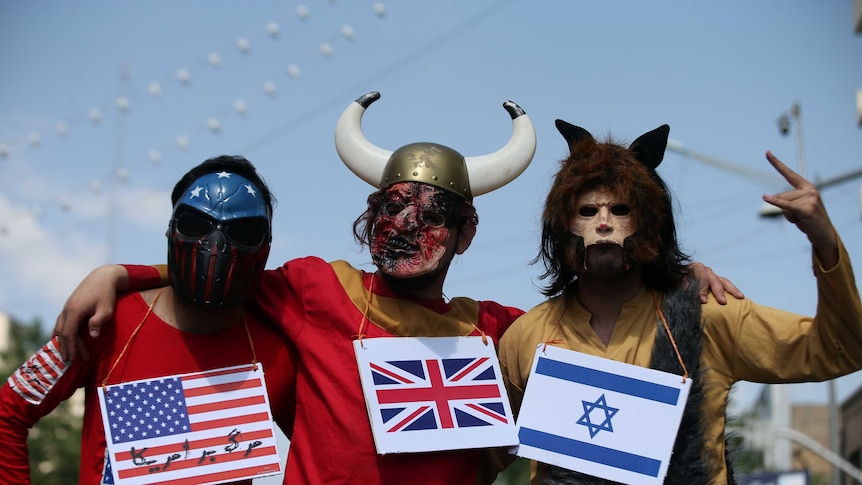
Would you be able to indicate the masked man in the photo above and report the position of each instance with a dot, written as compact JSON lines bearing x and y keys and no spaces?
{"x":611,"y":255}
{"x":420,"y":217}
{"x":218,"y":242}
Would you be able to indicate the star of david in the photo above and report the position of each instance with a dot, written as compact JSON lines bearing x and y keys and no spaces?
{"x":605,"y":425}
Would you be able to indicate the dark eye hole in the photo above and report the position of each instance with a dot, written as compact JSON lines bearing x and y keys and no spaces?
{"x":247,"y":232}
{"x":621,"y":210}
{"x":393,"y":208}
{"x":194,"y":224}
{"x":433,"y":219}
{"x":588,"y":211}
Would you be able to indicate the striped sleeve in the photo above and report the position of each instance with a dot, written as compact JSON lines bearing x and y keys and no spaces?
{"x":39,"y":374}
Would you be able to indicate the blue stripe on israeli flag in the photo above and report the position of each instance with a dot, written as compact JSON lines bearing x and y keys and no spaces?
{"x":586,"y":451}
{"x":605,"y":380}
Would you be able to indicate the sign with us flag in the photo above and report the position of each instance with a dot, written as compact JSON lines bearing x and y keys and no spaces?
{"x":431,"y":394}
{"x":600,"y":417}
{"x":206,"y":427}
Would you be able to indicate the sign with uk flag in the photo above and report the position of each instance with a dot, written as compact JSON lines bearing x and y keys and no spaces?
{"x":600,"y":417}
{"x":432,"y":394}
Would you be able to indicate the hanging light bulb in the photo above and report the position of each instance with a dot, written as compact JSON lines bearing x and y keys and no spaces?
{"x":293,"y":71}
{"x":155,"y":157}
{"x":122,"y":174}
{"x":347,"y":32}
{"x":214,"y":60}
{"x":96,"y":187}
{"x":95,"y":116}
{"x":272,"y":29}
{"x":155,"y":89}
{"x":240,"y":107}
{"x":4,"y":150}
{"x":184,"y":76}
{"x":270,"y":89}
{"x":302,"y":12}
{"x":182,"y":142}
{"x":379,"y":9}
{"x":123,"y":104}
{"x":243,"y":45}
{"x":326,"y":50}
{"x":35,"y":138}
{"x":213,"y":125}
{"x":61,"y":128}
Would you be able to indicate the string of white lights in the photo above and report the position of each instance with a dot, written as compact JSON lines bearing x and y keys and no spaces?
{"x":153,"y":90}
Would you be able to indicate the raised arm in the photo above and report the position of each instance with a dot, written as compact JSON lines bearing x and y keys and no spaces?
{"x":93,"y":302}
{"x":803,"y":207}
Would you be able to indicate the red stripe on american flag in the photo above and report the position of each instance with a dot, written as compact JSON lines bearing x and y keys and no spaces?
{"x":233,"y":403}
{"x":25,"y":390}
{"x":231,"y":421}
{"x":225,"y":476}
{"x":204,"y":375}
{"x":155,"y":468}
{"x":216,"y":388}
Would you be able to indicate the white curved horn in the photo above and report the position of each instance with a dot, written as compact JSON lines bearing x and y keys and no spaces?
{"x":492,"y":171}
{"x":362,"y":157}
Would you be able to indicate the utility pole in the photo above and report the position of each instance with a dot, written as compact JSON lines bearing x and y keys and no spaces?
{"x":834,"y":429}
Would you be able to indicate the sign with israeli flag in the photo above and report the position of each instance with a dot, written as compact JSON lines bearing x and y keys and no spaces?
{"x":600,"y":417}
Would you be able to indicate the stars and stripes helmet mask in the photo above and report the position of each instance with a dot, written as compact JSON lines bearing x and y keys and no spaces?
{"x":219,"y":240}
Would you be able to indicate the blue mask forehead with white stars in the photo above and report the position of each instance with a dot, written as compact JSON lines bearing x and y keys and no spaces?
{"x":224,"y":196}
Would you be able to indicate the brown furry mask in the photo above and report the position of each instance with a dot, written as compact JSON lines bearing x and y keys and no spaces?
{"x":628,"y":174}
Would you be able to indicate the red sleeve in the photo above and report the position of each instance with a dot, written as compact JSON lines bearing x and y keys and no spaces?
{"x":146,"y":277}
{"x":280,"y":298}
{"x":495,"y":318}
{"x":30,"y":393}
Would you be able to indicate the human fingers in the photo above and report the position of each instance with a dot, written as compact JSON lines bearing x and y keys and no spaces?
{"x":793,"y":178}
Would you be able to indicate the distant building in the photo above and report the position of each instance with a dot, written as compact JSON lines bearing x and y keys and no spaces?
{"x":813,"y":420}
{"x":851,"y":432}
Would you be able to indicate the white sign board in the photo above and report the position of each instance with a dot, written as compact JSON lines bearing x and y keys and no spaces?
{"x":600,"y":417}
{"x":206,"y":427}
{"x":431,"y":394}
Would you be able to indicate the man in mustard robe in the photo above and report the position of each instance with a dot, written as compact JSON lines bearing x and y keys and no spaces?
{"x":615,"y":268}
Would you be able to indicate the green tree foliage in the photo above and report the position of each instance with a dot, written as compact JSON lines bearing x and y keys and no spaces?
{"x":55,"y":440}
{"x":517,"y":474}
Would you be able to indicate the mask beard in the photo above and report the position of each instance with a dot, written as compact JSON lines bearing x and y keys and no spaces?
{"x":603,"y":260}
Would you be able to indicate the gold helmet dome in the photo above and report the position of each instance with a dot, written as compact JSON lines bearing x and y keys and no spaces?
{"x":432,"y":163}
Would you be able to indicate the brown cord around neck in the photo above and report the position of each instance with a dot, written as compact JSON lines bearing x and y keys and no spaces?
{"x":364,"y":322}
{"x":254,"y":360}
{"x":132,"y":337}
{"x":670,"y":335}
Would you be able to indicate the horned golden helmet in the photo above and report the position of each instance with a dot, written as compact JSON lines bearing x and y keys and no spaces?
{"x":432,"y":163}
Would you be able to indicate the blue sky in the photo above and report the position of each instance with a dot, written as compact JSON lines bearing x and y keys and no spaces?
{"x":719,"y":73}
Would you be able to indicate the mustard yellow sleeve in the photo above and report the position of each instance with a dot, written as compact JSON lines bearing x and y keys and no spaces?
{"x":508,"y":355}
{"x":747,"y":341}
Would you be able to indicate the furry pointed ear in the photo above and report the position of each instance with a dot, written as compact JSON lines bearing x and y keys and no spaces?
{"x":573,"y":134}
{"x":649,"y":147}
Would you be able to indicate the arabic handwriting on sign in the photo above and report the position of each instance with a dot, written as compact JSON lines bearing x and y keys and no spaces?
{"x":138,"y":457}
{"x":252,"y":446}
{"x":205,"y":454}
{"x":175,"y":456}
{"x":232,"y":437}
